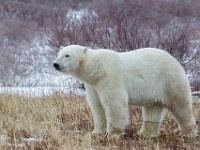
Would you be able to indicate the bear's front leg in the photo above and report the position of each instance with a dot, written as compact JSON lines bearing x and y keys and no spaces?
{"x":97,"y":110}
{"x":116,"y":111}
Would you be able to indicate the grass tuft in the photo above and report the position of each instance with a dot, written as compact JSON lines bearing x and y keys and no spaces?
{"x":62,"y":122}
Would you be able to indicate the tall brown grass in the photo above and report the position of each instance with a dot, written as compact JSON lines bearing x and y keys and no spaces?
{"x":62,"y":122}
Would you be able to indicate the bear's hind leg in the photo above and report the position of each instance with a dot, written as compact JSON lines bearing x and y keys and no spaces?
{"x":152,"y":119}
{"x":184,"y":116}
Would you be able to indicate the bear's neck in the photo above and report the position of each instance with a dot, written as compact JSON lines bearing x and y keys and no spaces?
{"x":90,"y":71}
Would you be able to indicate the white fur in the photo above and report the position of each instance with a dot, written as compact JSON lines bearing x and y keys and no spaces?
{"x":146,"y":77}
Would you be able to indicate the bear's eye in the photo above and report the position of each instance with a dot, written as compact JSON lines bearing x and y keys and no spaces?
{"x":66,"y":55}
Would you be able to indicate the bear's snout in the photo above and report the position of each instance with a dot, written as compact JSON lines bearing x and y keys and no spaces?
{"x":57,"y":66}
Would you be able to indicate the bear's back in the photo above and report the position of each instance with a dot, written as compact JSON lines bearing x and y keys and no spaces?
{"x":153,"y":70}
{"x":150,"y":59}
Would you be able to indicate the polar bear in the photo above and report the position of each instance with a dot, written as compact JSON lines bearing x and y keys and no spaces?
{"x":146,"y":77}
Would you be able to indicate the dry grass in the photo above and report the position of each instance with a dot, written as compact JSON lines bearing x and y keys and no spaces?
{"x":62,"y":122}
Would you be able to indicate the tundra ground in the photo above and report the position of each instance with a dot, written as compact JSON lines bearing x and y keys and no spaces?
{"x":62,"y":122}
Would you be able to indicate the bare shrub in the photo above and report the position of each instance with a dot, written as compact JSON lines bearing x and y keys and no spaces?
{"x":118,"y":25}
{"x":129,"y":25}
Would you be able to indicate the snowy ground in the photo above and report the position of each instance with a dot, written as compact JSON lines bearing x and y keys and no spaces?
{"x":41,"y":91}
{"x":47,"y":84}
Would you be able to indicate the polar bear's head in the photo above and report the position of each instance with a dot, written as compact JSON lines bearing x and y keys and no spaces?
{"x":69,"y":58}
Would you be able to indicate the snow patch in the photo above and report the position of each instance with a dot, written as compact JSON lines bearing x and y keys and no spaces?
{"x":78,"y":15}
{"x":32,"y":139}
{"x":40,"y":91}
{"x":2,"y":138}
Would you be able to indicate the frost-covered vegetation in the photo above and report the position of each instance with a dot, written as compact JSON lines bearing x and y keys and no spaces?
{"x":32,"y":31}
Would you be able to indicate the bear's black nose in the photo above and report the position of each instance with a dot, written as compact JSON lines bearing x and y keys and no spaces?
{"x":57,"y":66}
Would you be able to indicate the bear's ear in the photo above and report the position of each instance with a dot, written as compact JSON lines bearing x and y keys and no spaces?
{"x":85,"y":50}
{"x":61,"y":47}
